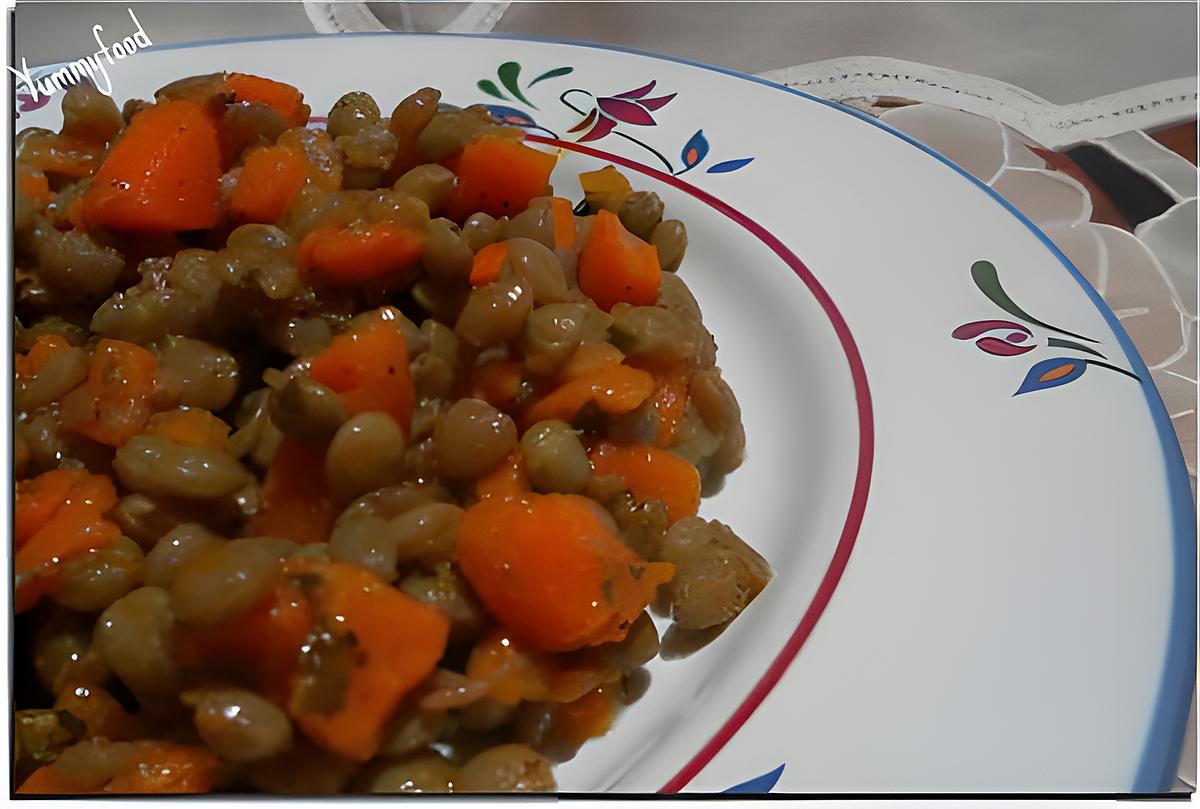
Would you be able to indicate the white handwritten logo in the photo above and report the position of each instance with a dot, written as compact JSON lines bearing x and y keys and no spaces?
{"x":93,"y":66}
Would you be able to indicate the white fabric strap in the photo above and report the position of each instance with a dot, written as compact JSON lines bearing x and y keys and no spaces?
{"x":1050,"y":124}
{"x":342,"y":17}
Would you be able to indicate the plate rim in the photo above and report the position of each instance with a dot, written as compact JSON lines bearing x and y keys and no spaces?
{"x":1158,"y":764}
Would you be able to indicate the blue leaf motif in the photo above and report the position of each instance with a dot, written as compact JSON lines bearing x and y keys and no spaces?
{"x":694,"y":151}
{"x":728,"y":165}
{"x":761,"y":784}
{"x":1052,"y":373}
{"x":510,"y":116}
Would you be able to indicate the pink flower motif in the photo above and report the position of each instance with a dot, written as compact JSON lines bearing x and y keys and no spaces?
{"x":631,"y":107}
{"x":1008,"y":339}
{"x":25,"y":103}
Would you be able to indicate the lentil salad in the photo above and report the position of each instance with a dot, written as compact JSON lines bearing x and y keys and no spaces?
{"x":348,"y":458}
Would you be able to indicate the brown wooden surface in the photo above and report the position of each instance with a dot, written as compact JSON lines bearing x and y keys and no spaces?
{"x":1179,"y":139}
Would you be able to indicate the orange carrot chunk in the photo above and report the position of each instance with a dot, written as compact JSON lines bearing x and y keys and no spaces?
{"x":497,"y":382}
{"x":485,"y":267}
{"x":116,"y":399}
{"x":294,"y":500}
{"x":33,"y":183}
{"x":551,"y":569}
{"x":271,"y":178}
{"x":397,"y":643}
{"x":589,"y":358}
{"x":283,"y":98}
{"x":40,"y":499}
{"x":615,"y":389}
{"x":100,"y":712}
{"x":506,"y":480}
{"x":348,"y":256}
{"x":652,"y":474}
{"x":617,"y":267}
{"x":588,"y":717}
{"x":670,"y":400}
{"x":369,"y":369}
{"x":498,"y":176}
{"x":151,"y":767}
{"x":76,"y":528}
{"x":50,"y":780}
{"x":564,"y":223}
{"x":515,"y":672}
{"x":166,"y":768}
{"x":189,"y":427}
{"x":265,"y":641}
{"x":43,"y":348}
{"x":605,"y":189}
{"x":162,"y":175}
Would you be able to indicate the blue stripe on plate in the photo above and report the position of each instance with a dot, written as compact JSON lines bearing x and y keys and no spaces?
{"x":1164,"y":739}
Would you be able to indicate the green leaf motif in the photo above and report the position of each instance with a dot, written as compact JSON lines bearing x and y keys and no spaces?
{"x":491,"y":89}
{"x":988,"y":280}
{"x":552,"y":74}
{"x":509,"y":73}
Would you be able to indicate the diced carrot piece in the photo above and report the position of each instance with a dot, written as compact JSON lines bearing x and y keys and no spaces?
{"x":605,"y":189}
{"x":485,"y":267}
{"x":515,"y":673}
{"x":294,"y":499}
{"x":189,"y":427}
{"x":368,"y":368}
{"x":324,"y":159}
{"x":506,"y":480}
{"x":498,"y":176}
{"x":348,"y":256}
{"x":265,"y":641}
{"x":50,"y":780}
{"x":589,"y":358}
{"x":75,"y":213}
{"x":33,"y":183}
{"x":99,"y":711}
{"x":93,"y":491}
{"x":398,"y":643}
{"x":564,"y":223}
{"x":283,"y":98}
{"x":588,"y":717}
{"x":121,"y":384}
{"x":670,"y":400}
{"x":154,"y":767}
{"x":652,"y":474}
{"x":40,"y":499}
{"x":616,"y":389}
{"x":617,"y":267}
{"x":270,"y":179}
{"x":497,"y":382}
{"x":550,"y":568}
{"x":162,"y":175}
{"x":43,"y":348}
{"x":166,"y":768}
{"x":73,"y":530}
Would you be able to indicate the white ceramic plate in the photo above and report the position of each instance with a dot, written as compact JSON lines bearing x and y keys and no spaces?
{"x":980,"y":523}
